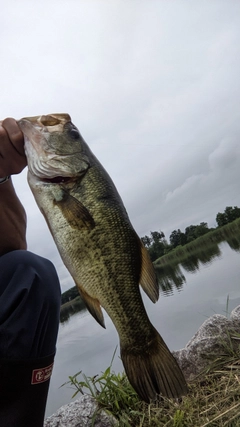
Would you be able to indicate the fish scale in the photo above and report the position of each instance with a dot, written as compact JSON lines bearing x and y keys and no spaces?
{"x":100,"y":247}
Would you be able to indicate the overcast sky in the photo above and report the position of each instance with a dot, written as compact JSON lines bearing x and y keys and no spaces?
{"x":153,"y":87}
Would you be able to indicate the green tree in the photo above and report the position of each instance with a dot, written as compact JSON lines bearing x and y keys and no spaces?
{"x":157,"y":236}
{"x":232,"y":213}
{"x":156,"y":249}
{"x":221,"y":219}
{"x":146,"y":241}
{"x":229,"y":215}
{"x":194,"y":231}
{"x":177,"y":238}
{"x":190,"y":233}
{"x":156,"y":244}
{"x":201,"y":229}
{"x":236,"y":212}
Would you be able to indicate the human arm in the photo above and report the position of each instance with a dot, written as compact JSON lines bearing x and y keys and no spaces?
{"x":12,"y":213}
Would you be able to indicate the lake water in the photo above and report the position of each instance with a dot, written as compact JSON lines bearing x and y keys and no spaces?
{"x":190,"y":296}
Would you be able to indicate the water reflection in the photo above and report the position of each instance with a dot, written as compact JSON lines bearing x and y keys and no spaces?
{"x":234,"y":243}
{"x":170,"y":277}
{"x":203,"y":256}
{"x":169,"y":273}
{"x":67,"y":310}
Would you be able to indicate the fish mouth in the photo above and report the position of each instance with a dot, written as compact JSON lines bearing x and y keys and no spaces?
{"x":49,"y":119}
{"x":50,"y":122}
{"x":57,"y":179}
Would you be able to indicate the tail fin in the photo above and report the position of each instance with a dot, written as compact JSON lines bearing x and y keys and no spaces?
{"x":153,"y":370}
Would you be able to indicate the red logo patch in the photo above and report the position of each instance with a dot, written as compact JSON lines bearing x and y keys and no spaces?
{"x":42,"y":374}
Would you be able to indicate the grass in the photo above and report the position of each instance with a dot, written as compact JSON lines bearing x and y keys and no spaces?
{"x":213,"y":399}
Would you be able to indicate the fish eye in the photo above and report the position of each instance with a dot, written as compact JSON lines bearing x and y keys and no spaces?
{"x":73,"y":133}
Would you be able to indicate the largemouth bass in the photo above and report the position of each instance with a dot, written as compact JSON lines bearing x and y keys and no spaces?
{"x":99,"y":247}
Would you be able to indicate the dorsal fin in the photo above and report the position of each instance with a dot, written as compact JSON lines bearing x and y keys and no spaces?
{"x":148,"y":278}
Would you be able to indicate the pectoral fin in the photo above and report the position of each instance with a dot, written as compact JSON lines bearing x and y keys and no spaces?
{"x":148,"y":279}
{"x":93,"y":306}
{"x":73,"y":210}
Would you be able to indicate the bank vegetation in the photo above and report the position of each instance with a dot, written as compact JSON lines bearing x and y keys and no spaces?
{"x":213,"y":399}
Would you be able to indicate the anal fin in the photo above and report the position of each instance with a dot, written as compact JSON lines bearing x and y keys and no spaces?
{"x":148,"y":278}
{"x":93,"y":306}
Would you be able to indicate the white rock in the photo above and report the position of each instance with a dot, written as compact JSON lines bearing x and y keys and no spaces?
{"x":80,"y":413}
{"x":214,"y":338}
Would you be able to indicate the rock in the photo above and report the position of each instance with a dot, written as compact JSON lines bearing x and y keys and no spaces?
{"x":80,"y":413}
{"x":235,"y":315}
{"x":214,"y":338}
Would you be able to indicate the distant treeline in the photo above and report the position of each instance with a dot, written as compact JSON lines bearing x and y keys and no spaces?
{"x":69,"y":295}
{"x":157,"y":245}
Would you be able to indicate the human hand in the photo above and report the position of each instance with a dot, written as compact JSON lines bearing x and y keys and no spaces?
{"x":12,"y":156}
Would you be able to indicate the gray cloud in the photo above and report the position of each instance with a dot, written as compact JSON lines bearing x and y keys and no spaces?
{"x":152,"y":86}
